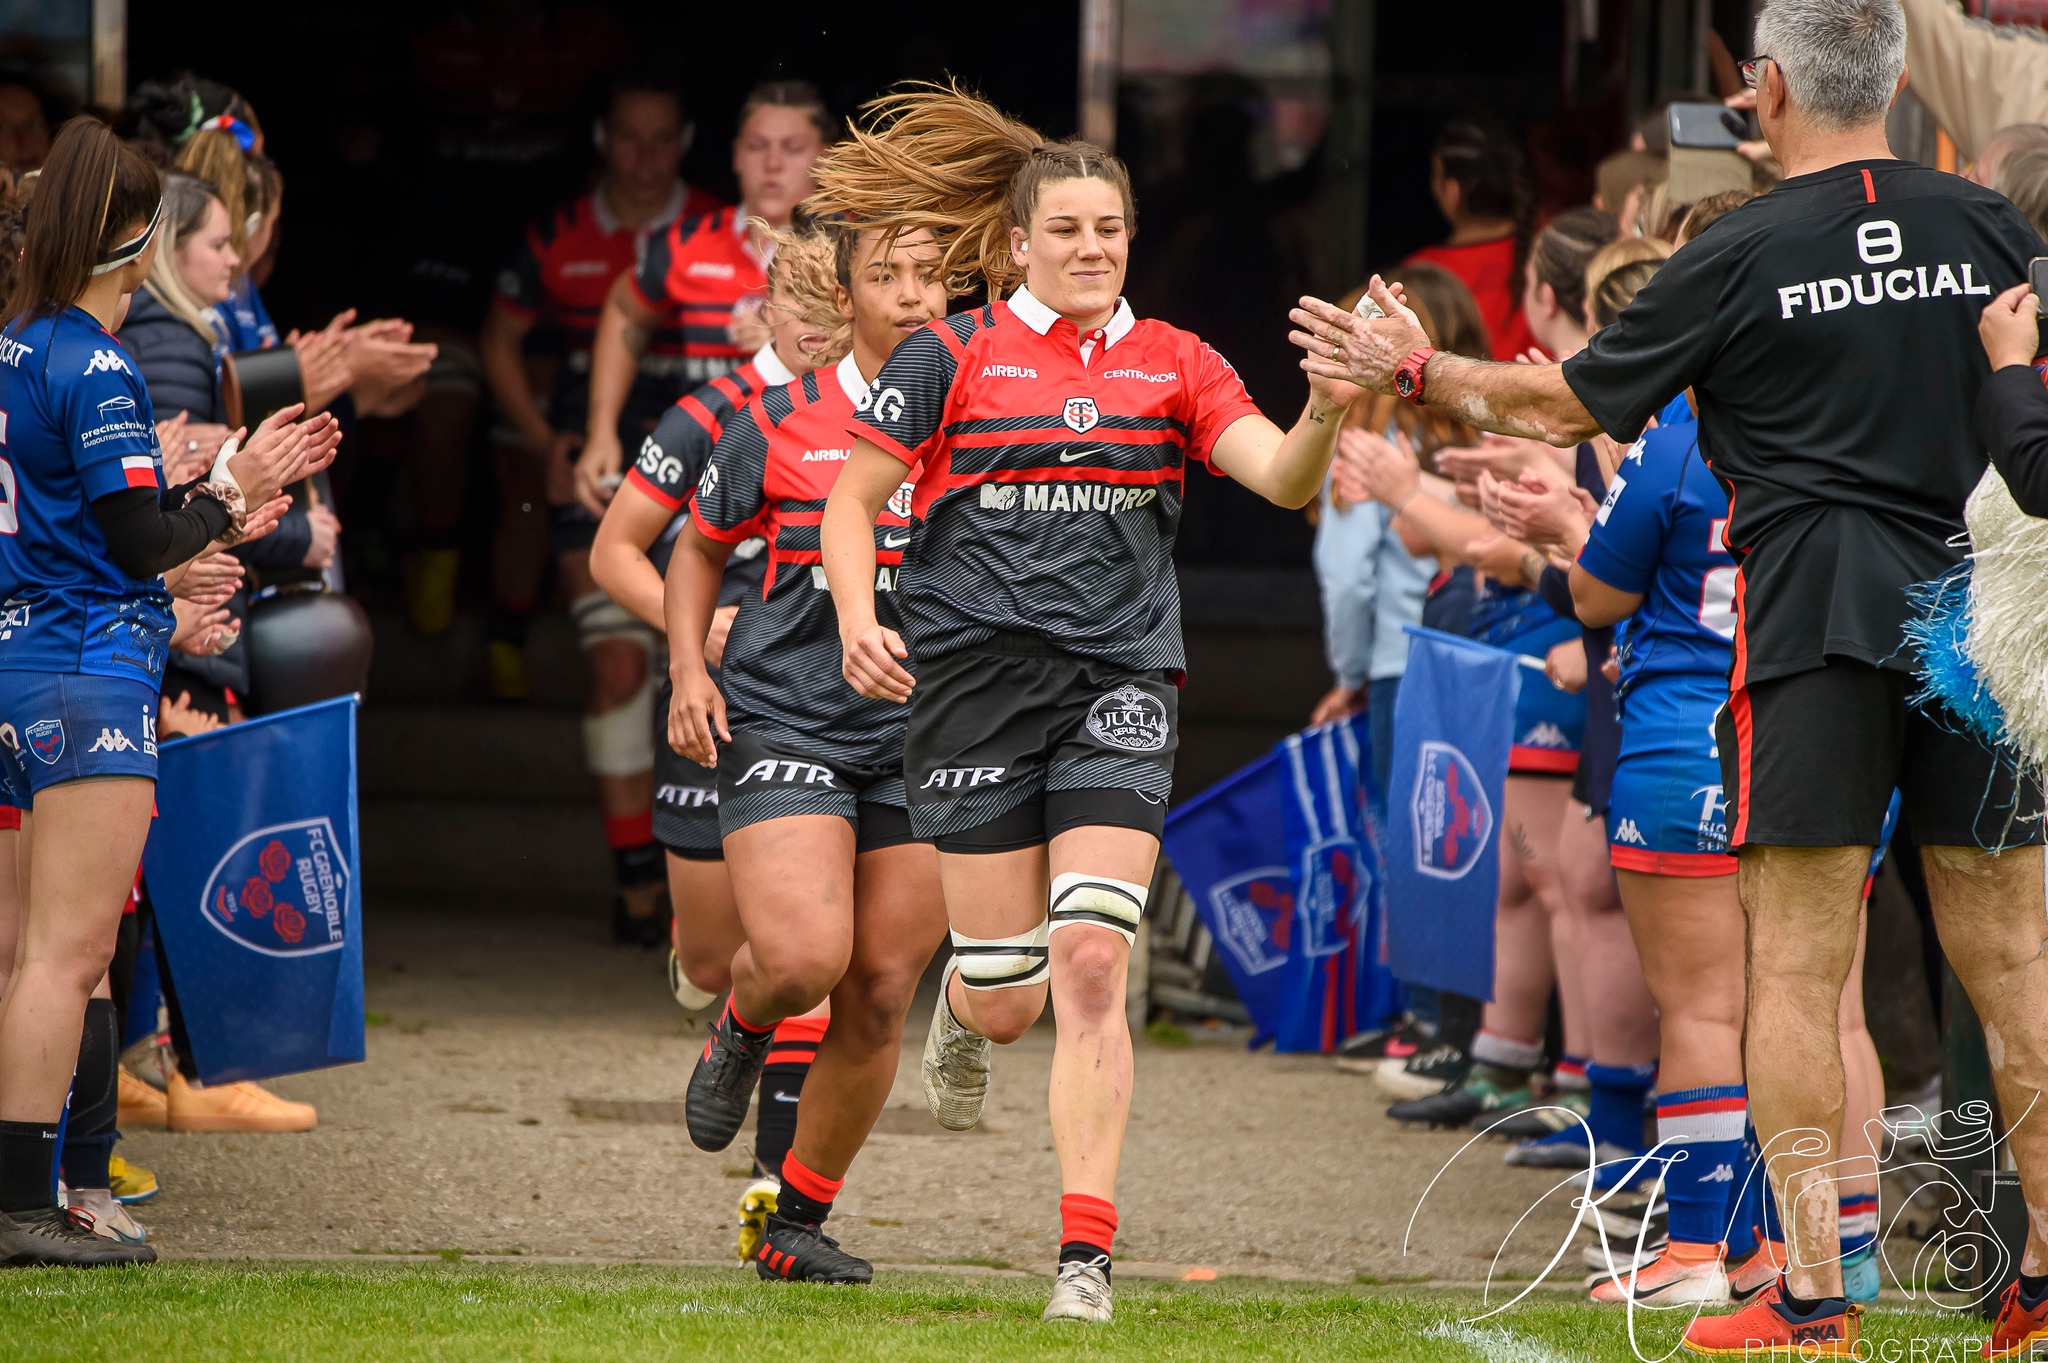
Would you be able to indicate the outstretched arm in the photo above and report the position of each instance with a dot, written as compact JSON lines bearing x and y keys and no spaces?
{"x":1514,"y":399}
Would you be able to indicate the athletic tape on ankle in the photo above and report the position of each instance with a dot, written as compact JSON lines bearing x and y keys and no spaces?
{"x":1099,"y":901}
{"x":621,"y":742}
{"x":1002,"y":962}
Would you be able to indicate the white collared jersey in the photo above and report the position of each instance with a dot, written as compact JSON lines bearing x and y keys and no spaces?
{"x":1052,"y":476}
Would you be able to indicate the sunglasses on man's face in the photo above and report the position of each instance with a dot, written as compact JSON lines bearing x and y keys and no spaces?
{"x":1753,"y":71}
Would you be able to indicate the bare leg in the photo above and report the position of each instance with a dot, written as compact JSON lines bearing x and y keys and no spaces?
{"x":1802,"y":904}
{"x":10,"y":906}
{"x":1620,"y":1019}
{"x":1683,"y":928}
{"x":1989,"y":912}
{"x":1523,"y":967}
{"x":793,"y":880}
{"x":994,"y":895}
{"x":707,"y":923}
{"x":88,"y":838}
{"x":1863,"y":1085}
{"x":899,"y":922}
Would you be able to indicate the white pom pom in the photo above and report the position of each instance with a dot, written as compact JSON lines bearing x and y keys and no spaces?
{"x":2008,"y":641}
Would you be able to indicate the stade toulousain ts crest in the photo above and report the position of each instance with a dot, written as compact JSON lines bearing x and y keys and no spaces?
{"x":281,"y":891}
{"x":1453,"y":821}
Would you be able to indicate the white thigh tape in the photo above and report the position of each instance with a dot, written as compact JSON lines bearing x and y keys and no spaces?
{"x":621,"y":742}
{"x":1105,"y":903}
{"x":598,"y":618}
{"x":1002,"y":962}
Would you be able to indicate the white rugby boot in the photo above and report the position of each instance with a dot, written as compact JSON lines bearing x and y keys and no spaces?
{"x":955,"y":1064}
{"x":1082,"y":1292}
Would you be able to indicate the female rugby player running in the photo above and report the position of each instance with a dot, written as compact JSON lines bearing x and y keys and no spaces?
{"x":1038,"y":597}
{"x":628,"y":558}
{"x":86,"y":532}
{"x":836,"y":896}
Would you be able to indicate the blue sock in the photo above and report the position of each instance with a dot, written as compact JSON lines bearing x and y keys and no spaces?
{"x":1700,"y":1130}
{"x":1615,"y":1106}
{"x":1859,"y":1222}
{"x":1744,"y":1210}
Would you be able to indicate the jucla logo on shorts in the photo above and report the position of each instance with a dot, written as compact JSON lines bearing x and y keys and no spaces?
{"x":1130,"y":719}
{"x":1453,"y":821}
{"x":281,"y":890}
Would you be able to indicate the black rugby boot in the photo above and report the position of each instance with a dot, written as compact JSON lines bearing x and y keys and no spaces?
{"x":793,"y":1252}
{"x":59,"y":1238}
{"x":723,"y":1082}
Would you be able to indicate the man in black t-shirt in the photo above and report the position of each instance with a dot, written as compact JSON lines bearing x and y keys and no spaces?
{"x":1827,"y":331}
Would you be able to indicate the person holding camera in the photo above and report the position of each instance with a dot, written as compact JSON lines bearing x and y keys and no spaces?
{"x":1826,"y":330}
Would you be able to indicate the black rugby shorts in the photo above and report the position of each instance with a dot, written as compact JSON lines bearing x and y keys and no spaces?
{"x":1013,"y":742}
{"x":685,"y":796}
{"x":1811,"y":760}
{"x":763,"y":778}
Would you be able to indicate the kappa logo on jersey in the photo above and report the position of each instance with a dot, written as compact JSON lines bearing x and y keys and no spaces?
{"x":962,"y":778}
{"x":13,"y":616}
{"x":1452,"y":817}
{"x":1129,"y":718}
{"x":112,"y":740}
{"x":788,"y":773}
{"x":657,"y":466}
{"x":46,"y":740}
{"x":281,"y":890}
{"x":901,"y":500}
{"x":106,"y":362}
{"x":1544,"y":735}
{"x":1626,"y":831}
{"x":686,"y":797}
{"x":1080,"y":415}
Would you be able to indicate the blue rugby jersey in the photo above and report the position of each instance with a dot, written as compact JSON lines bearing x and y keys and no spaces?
{"x":75,"y":425}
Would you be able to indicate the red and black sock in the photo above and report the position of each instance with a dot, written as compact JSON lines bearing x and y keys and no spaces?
{"x":806,"y":1194}
{"x":636,"y":856}
{"x":1087,"y":1228}
{"x":782,"y":1084}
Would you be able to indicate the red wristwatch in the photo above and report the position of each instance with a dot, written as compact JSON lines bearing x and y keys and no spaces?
{"x":1408,"y":376}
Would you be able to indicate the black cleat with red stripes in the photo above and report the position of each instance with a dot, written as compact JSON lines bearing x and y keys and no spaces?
{"x":793,"y":1252}
{"x":722,"y":1085}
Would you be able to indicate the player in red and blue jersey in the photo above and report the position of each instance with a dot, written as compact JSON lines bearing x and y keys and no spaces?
{"x":837,"y":897}
{"x":86,"y":533}
{"x":1048,"y":433}
{"x":560,"y":280}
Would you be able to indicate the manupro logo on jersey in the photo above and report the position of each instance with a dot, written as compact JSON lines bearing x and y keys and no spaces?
{"x":112,"y":740}
{"x":885,"y":576}
{"x":788,"y":773}
{"x":1626,"y":831}
{"x":962,"y":778}
{"x":106,"y":362}
{"x":1065,"y":497}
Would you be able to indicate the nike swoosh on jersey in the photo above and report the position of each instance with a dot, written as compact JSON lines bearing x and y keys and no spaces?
{"x":892,"y":542}
{"x":1069,"y":456}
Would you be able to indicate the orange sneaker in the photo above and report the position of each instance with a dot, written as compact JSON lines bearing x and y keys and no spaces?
{"x":235,"y":1107}
{"x":1757,"y":1272}
{"x":1683,"y":1275}
{"x":1767,"y":1328}
{"x":2018,"y":1324}
{"x":142,"y":1107}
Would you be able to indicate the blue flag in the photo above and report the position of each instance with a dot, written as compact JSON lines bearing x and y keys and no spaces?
{"x":252,"y":871}
{"x":1336,"y":980}
{"x":1229,"y":847}
{"x":1453,"y":726}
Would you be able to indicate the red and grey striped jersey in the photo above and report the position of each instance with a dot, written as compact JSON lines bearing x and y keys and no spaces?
{"x":769,"y":475}
{"x":560,"y":277}
{"x":672,"y":459}
{"x":696,"y":273}
{"x":1052,"y":475}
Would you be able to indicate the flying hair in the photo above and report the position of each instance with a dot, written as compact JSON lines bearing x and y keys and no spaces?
{"x":937,"y":157}
{"x":805,"y":273}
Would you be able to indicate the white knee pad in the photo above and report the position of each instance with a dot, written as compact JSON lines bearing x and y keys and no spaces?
{"x":1002,"y":962}
{"x":621,"y":742}
{"x":597,"y":618}
{"x":1098,"y":900}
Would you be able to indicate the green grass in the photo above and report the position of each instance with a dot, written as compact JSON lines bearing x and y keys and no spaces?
{"x":458,"y":1311}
